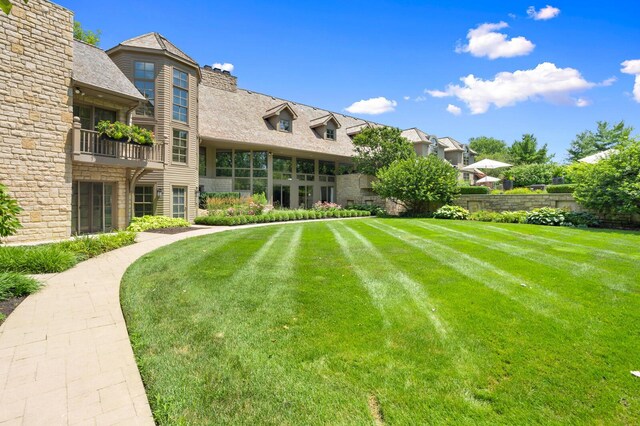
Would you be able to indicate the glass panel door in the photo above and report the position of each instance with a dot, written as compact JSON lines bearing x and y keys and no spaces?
{"x":305,"y":196}
{"x":282,"y":196}
{"x":92,"y":207}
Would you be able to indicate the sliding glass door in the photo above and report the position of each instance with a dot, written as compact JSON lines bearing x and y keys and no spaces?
{"x":92,"y":207}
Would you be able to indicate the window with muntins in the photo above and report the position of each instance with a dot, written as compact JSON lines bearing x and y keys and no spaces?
{"x":179,"y":202}
{"x":143,"y":201}
{"x":179,"y":146}
{"x":224,"y":163}
{"x":144,"y":80}
{"x":331,"y":134}
{"x":284,"y":125}
{"x":202,"y":161}
{"x":180,"y":95}
{"x":305,"y":169}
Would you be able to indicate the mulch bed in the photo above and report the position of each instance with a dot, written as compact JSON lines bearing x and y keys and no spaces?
{"x":171,"y":231}
{"x":7,"y":306}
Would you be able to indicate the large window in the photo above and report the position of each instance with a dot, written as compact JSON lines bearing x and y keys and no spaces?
{"x":202,"y":161}
{"x":90,"y":116}
{"x":179,"y":146}
{"x":143,"y":201}
{"x":326,"y":171}
{"x":282,"y":168}
{"x":179,"y":195}
{"x":305,"y":169}
{"x":144,"y":79}
{"x":247,"y":168}
{"x":180,"y":95}
{"x":259,"y":172}
{"x":224,"y":163}
{"x":242,"y":170}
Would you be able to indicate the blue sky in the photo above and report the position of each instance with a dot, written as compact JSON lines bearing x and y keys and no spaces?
{"x":563,"y":70}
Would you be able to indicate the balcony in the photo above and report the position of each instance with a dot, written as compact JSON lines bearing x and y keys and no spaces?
{"x":89,"y":147}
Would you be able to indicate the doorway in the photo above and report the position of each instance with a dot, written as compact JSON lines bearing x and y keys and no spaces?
{"x":92,"y":207}
{"x":282,"y":195}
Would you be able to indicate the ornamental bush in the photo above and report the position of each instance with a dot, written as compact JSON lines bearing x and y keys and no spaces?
{"x":9,"y":211}
{"x":546,"y":216}
{"x":452,"y":212}
{"x":532,"y":174}
{"x":417,"y":183}
{"x":474,"y":190}
{"x":122,"y":132}
{"x":567,"y":188}
{"x":146,"y":223}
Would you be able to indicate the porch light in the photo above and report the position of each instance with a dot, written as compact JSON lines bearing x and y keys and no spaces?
{"x":159,"y":192}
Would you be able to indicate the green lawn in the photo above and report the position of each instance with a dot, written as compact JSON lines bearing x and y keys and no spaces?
{"x":390,"y":320}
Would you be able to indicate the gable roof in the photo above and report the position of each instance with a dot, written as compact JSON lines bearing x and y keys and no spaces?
{"x":92,"y":67}
{"x":324,"y":120}
{"x":354,"y":130}
{"x":271,"y":112}
{"x":416,"y":135}
{"x":156,"y":41}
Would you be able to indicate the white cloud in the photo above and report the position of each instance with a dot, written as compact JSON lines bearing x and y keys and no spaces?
{"x":546,"y":81}
{"x":633,"y":67}
{"x":224,"y":67}
{"x":513,"y":16}
{"x":406,"y":98}
{"x":609,"y":81}
{"x":454,"y":109}
{"x":373,"y":106}
{"x":582,"y":102}
{"x":548,"y":12}
{"x":485,"y":41}
{"x":421,"y":99}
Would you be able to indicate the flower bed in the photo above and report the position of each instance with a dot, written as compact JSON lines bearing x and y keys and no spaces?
{"x":278,"y":216}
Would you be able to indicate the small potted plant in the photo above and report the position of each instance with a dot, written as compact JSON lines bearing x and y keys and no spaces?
{"x":558,"y":176}
{"x":507,"y":181}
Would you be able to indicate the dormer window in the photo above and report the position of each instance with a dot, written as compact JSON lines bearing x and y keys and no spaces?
{"x":281,"y":118}
{"x":331,"y":134}
{"x":284,"y":125}
{"x":325,"y":126}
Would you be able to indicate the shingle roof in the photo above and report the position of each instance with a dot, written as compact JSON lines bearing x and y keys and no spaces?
{"x":157,"y":41}
{"x":276,"y":110}
{"x":416,"y":135}
{"x":92,"y":66}
{"x":322,"y":121}
{"x":238,"y":117}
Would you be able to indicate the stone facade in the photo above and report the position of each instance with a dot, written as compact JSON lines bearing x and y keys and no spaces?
{"x":36,"y":54}
{"x":356,"y":189}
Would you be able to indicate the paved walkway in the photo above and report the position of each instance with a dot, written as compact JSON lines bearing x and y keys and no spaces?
{"x":65,"y":356}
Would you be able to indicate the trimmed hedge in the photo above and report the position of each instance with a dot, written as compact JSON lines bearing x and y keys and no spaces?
{"x":278,"y":216}
{"x":146,"y":223}
{"x":474,"y":190}
{"x":561,"y":189}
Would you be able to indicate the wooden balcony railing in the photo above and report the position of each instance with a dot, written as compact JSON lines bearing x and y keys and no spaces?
{"x":90,"y":147}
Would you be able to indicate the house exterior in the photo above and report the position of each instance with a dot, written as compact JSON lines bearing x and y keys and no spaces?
{"x":211,"y":135}
{"x":459,"y":155}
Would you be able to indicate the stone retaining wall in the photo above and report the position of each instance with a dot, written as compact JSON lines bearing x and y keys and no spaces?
{"x":498,"y":203}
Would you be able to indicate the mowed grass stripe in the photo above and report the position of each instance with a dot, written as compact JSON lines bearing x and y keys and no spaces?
{"x":414,"y":290}
{"x":531,"y":256}
{"x":476,"y":270}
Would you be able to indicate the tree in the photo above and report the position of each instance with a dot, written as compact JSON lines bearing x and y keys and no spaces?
{"x":87,"y":36}
{"x":488,"y":147}
{"x":588,"y":143}
{"x":9,"y":211}
{"x":378,"y":147}
{"x":612,"y":185}
{"x":6,"y":5}
{"x":525,"y":151}
{"x":417,"y":182}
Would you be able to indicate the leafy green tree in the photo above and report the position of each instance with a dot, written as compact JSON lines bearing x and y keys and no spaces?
{"x":87,"y":36}
{"x":6,"y":5}
{"x":613,"y":184}
{"x":415,"y":183}
{"x":587,"y":143}
{"x":487,"y":147}
{"x":378,"y":147}
{"x":531,"y":174}
{"x":9,"y":211}
{"x":526,"y":151}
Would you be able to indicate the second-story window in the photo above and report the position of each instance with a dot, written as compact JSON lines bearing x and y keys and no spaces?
{"x":180,"y":95}
{"x":144,"y":74}
{"x":331,"y":134}
{"x":179,"y":146}
{"x":284,"y":125}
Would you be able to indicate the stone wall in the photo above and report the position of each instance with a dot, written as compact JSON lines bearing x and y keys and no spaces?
{"x":107,"y":174}
{"x":356,"y":189}
{"x":36,"y":54}
{"x":498,"y":203}
{"x":219,"y":79}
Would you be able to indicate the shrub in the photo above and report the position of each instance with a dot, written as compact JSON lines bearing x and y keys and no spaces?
{"x":234,"y":206}
{"x":324,"y":205}
{"x":613,"y":184}
{"x":417,"y":183}
{"x":452,"y":212}
{"x":581,"y":219}
{"x":546,"y":216}
{"x":276,"y":216}
{"x":371,"y":208}
{"x":9,"y":211}
{"x":146,"y":223}
{"x":518,"y":191}
{"x":518,"y":216}
{"x":205,"y":196}
{"x":86,"y":247}
{"x":41,"y":259}
{"x":561,"y":189}
{"x":531,"y":174}
{"x":474,"y":190}
{"x":13,"y":284}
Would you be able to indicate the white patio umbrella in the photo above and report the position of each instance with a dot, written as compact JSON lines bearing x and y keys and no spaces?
{"x":486,"y":164}
{"x":488,"y":179}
